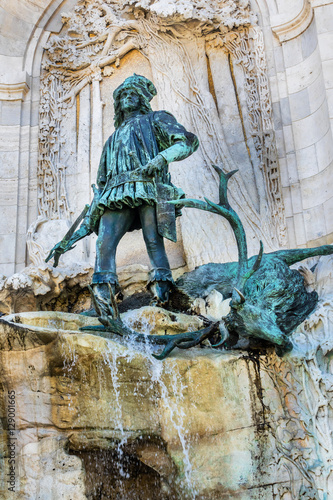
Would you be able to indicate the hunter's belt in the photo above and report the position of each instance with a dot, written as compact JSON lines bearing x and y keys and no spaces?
{"x":132,"y":176}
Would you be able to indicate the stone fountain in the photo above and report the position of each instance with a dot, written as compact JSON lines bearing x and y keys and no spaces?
{"x":237,"y":403}
{"x":98,"y":418}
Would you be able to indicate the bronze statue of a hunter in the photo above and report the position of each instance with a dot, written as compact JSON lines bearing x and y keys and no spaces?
{"x":133,"y":188}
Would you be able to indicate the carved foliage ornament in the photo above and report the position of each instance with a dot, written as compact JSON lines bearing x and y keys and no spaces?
{"x":247,"y":48}
{"x":96,"y":35}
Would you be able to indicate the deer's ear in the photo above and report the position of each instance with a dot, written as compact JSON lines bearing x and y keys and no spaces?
{"x":237,"y":298}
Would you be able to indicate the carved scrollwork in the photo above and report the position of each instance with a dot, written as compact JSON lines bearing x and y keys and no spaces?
{"x":302,"y":387}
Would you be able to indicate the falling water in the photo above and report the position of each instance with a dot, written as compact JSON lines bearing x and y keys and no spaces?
{"x":175,"y":406}
{"x":110,"y":356}
{"x":171,"y":394}
{"x":173,"y":399}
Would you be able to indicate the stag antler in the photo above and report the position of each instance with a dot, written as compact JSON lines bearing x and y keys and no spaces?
{"x":108,"y":315}
{"x":223,"y":208}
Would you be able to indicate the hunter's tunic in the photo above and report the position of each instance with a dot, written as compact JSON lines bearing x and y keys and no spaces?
{"x":137,"y":141}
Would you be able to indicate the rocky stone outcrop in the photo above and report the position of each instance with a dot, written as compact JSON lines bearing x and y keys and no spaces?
{"x":46,"y":288}
{"x":95,"y":417}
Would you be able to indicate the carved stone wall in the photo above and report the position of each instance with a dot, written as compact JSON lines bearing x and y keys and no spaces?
{"x":251,"y":78}
{"x":185,"y":62}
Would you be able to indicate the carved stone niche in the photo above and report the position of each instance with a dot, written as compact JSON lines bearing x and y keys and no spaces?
{"x":207,"y":60}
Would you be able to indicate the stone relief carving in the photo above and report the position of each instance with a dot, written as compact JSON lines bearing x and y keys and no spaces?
{"x":96,"y":36}
{"x":301,"y":399}
{"x":51,"y":192}
{"x":247,"y":48}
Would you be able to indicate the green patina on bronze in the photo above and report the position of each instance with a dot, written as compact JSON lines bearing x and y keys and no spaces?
{"x":133,"y":176}
{"x":134,"y":189}
{"x":269,"y":300}
{"x":134,"y":164}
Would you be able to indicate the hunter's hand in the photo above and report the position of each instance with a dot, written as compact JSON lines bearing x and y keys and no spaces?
{"x":155,"y":165}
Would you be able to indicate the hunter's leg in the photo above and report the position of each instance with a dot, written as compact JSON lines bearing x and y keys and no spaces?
{"x":113,"y":225}
{"x":160,"y":276}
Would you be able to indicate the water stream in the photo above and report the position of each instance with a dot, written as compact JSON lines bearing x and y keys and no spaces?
{"x":172,"y":397}
{"x":110,"y":357}
{"x":164,"y":378}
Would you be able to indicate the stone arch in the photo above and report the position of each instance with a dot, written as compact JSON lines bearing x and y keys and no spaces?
{"x":21,"y":29}
{"x":297,"y":38}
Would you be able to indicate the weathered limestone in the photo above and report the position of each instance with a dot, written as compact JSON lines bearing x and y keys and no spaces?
{"x":203,"y":422}
{"x":64,"y":288}
{"x":43,"y":287}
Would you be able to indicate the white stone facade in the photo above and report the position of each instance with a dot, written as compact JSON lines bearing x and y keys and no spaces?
{"x":281,"y":140}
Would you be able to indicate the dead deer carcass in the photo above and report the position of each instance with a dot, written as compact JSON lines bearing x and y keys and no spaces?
{"x":269,"y":300}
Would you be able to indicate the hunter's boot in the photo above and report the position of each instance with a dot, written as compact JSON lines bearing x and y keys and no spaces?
{"x":102,"y":293}
{"x":160,"y":291}
{"x":101,"y":289}
{"x":159,"y":285}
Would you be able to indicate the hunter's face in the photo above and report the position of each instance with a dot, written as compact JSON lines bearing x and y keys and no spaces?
{"x":129,"y":100}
